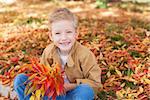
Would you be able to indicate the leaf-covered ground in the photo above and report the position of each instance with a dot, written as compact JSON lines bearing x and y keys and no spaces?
{"x":118,"y":36}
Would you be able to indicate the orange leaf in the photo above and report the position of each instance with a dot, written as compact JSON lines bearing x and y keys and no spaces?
{"x":6,"y":82}
{"x":32,"y":76}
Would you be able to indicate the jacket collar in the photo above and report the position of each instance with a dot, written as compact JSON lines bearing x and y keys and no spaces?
{"x":56,"y":57}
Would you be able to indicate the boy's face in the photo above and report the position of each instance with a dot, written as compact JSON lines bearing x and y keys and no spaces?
{"x":63,"y":34}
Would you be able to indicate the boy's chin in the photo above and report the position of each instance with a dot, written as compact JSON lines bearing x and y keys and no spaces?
{"x":65,"y":49}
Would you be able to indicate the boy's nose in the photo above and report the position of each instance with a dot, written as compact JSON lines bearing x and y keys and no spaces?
{"x":64,"y":36}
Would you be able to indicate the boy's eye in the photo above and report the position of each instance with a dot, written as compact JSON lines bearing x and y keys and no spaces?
{"x":57,"y":33}
{"x":69,"y":31}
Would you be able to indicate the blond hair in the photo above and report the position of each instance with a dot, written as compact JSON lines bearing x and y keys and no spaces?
{"x":63,"y":14}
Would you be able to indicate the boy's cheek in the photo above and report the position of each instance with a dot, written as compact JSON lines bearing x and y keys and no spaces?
{"x":54,"y":38}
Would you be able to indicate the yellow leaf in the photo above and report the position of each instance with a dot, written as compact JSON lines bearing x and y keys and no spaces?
{"x":146,"y":40}
{"x":123,"y":84}
{"x":38,"y":94}
{"x":147,"y":80}
{"x":108,"y":74}
{"x":128,"y":90}
{"x":42,"y":90}
{"x":104,"y":63}
{"x":111,"y":67}
{"x":108,"y":48}
{"x":119,"y":94}
{"x":118,"y":72}
{"x":130,"y":79}
{"x":141,"y":89}
{"x":138,"y":68}
{"x":30,"y":88}
{"x":32,"y":97}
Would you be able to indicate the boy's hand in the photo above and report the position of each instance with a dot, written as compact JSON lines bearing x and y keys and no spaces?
{"x":68,"y":87}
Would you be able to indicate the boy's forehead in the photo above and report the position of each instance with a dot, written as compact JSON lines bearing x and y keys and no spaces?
{"x":63,"y":24}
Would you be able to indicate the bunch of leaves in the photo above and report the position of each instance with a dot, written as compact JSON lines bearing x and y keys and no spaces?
{"x":42,"y":80}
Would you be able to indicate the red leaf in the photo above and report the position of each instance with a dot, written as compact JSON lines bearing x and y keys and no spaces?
{"x":14,"y":59}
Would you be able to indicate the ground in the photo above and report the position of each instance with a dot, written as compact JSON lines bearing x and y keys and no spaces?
{"x":119,"y":36}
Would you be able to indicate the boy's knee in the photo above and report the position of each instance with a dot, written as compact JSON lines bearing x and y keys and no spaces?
{"x":86,"y":90}
{"x":85,"y":87}
{"x":20,"y":79}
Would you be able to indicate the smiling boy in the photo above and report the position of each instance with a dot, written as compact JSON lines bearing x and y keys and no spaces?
{"x":82,"y":73}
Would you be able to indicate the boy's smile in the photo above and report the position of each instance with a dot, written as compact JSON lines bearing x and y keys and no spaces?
{"x":63,"y":34}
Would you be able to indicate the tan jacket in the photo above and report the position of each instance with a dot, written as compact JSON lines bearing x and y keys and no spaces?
{"x":81,"y":66}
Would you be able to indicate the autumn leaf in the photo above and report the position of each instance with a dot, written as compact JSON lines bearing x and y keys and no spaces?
{"x":32,"y":97}
{"x":14,"y":59}
{"x":38,"y":94}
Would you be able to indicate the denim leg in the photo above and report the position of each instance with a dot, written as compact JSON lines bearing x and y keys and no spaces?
{"x":81,"y":92}
{"x":19,"y":86}
{"x":62,"y":97}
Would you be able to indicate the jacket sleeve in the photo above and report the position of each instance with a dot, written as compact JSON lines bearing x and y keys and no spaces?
{"x":45,"y":55}
{"x":91,"y":71}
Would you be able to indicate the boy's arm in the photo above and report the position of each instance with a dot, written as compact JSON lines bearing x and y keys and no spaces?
{"x":91,"y":71}
{"x":43,"y":58}
{"x":45,"y":54}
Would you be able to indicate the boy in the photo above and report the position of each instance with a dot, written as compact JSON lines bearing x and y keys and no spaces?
{"x":82,"y":74}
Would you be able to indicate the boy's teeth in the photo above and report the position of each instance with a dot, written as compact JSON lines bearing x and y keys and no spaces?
{"x":65,"y":43}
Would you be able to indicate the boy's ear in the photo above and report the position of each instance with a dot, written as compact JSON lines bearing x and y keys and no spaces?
{"x":50,"y":36}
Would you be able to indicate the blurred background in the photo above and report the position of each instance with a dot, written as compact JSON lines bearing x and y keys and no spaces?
{"x":116,"y":31}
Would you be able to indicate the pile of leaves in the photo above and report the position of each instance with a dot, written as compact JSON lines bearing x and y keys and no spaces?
{"x":121,"y":45}
{"x":122,"y":49}
{"x":42,"y":80}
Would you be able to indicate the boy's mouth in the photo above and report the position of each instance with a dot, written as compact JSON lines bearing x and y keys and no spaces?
{"x":65,"y":43}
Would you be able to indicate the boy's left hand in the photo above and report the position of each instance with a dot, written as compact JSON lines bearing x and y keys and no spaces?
{"x":69,"y":86}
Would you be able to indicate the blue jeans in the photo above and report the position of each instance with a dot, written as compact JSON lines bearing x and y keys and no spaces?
{"x":81,"y":92}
